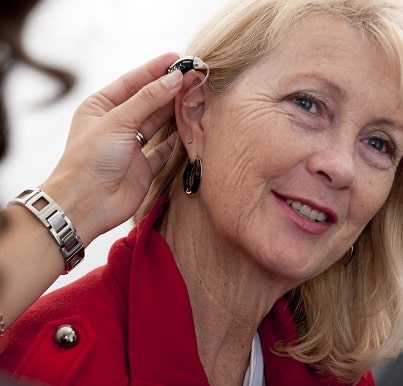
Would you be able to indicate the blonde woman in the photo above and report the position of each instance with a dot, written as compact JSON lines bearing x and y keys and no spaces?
{"x":269,"y":247}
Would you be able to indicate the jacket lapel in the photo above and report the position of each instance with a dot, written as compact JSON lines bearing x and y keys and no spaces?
{"x":162,"y":341}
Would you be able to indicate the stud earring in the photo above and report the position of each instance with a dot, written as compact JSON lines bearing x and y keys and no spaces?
{"x":189,"y":141}
{"x":192,"y":176}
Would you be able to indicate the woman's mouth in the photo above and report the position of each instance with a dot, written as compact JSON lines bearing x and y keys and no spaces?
{"x":307,"y":211}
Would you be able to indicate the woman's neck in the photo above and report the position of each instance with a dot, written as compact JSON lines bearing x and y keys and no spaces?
{"x":230,"y":293}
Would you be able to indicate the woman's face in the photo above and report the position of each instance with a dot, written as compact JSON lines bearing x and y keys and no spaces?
{"x":302,"y":152}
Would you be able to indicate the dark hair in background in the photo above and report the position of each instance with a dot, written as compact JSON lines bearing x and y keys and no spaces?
{"x":13,"y":14}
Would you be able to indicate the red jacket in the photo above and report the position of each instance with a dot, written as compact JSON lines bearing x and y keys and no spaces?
{"x":134,"y":326}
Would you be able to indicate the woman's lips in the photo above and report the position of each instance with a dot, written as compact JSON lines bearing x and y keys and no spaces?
{"x":308,"y":216}
{"x":307,"y":211}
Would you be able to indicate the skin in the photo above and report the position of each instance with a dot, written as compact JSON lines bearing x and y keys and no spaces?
{"x":313,"y":123}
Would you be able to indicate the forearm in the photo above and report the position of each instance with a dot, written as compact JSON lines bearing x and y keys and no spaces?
{"x":30,"y":261}
{"x":30,"y":257}
{"x":99,"y":182}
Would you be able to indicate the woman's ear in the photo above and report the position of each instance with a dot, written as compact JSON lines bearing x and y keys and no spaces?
{"x":189,"y":110}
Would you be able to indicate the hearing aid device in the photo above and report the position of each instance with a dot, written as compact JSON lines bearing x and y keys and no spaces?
{"x":188,"y":63}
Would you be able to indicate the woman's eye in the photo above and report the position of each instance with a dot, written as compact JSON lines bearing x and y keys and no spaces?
{"x":381,"y":145}
{"x":306,"y":103}
{"x":376,"y":144}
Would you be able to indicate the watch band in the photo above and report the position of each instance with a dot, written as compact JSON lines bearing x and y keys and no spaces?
{"x":58,"y":224}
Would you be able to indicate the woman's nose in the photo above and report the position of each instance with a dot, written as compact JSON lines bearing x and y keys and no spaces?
{"x":334,"y":162}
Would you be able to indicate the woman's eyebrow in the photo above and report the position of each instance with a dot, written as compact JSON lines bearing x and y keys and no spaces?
{"x":388,"y":122}
{"x":333,"y":87}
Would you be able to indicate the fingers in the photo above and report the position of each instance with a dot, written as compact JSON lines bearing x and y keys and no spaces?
{"x":150,"y":107}
{"x":155,"y":121}
{"x":130,"y":83}
{"x":157,"y":156}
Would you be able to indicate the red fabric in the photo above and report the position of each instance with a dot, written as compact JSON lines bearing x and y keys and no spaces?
{"x":135,"y":327}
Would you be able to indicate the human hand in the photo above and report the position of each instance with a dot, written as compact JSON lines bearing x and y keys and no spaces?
{"x":103,"y":175}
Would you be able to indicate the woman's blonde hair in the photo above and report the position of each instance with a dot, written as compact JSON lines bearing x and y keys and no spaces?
{"x":349,"y":318}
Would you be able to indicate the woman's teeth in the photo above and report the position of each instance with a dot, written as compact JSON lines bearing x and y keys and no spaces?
{"x":307,"y":211}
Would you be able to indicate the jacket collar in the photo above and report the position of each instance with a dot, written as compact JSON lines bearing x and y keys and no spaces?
{"x":162,"y":340}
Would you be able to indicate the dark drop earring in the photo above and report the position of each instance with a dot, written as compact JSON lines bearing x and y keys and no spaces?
{"x":348,"y":256}
{"x":192,"y":176}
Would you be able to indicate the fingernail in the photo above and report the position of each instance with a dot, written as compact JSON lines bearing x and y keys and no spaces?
{"x":173,"y":79}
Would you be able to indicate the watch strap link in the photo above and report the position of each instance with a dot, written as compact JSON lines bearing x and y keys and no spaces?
{"x":57,"y":223}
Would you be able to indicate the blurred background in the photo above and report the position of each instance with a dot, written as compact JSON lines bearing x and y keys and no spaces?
{"x":96,"y":40}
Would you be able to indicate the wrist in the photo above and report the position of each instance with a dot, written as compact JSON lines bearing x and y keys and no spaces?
{"x":77,"y":205}
{"x":53,"y":218}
